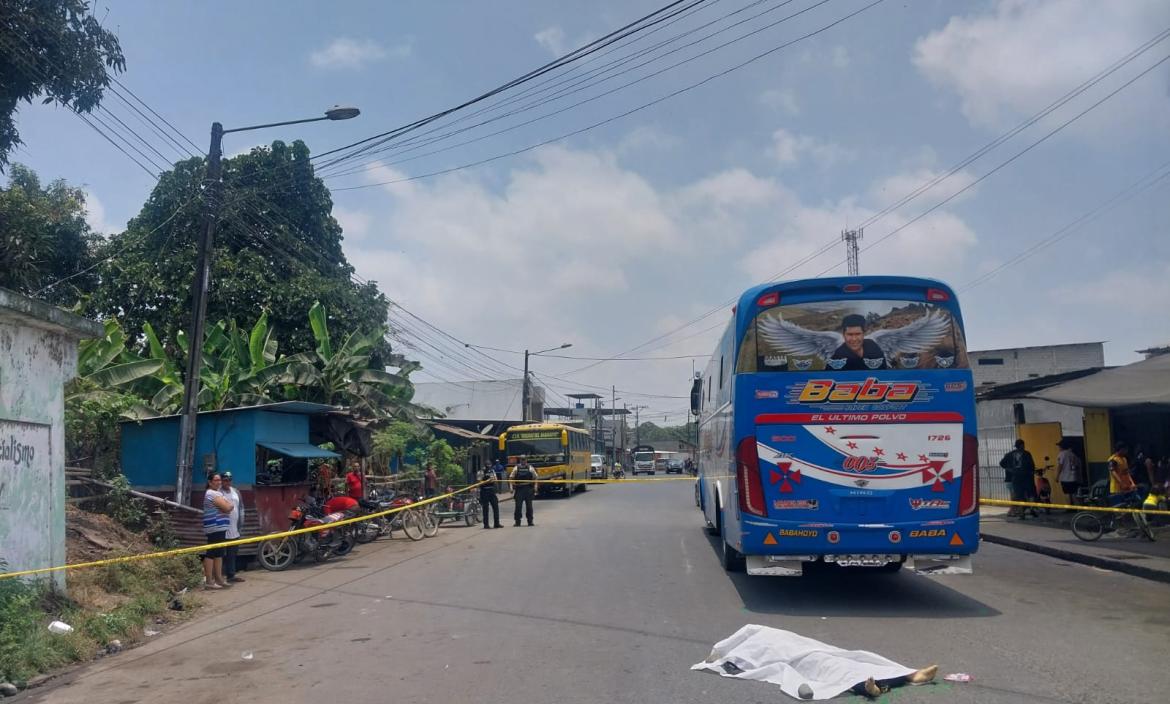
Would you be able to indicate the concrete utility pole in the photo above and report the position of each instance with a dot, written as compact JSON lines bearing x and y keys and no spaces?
{"x":638,"y":426}
{"x":526,"y":393}
{"x":850,"y":238}
{"x":201,"y":286}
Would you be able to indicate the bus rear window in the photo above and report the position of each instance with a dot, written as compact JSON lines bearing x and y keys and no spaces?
{"x":853,"y":335}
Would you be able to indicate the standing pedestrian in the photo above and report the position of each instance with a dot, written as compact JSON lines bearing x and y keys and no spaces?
{"x":523,"y":489}
{"x":1020,"y":468}
{"x":355,"y":482}
{"x":216,"y":509}
{"x":487,"y":496}
{"x":235,"y":529}
{"x":1069,"y":469}
{"x":430,"y":481}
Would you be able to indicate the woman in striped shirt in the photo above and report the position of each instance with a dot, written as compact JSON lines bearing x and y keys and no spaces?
{"x":216,"y":510}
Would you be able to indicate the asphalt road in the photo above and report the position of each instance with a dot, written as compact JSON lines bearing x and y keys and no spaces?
{"x":611,"y":598}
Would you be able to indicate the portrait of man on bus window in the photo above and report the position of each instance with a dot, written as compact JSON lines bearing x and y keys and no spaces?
{"x":855,"y":336}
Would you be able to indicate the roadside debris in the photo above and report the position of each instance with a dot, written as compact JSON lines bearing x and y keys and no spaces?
{"x":958,"y":677}
{"x":60,"y":627}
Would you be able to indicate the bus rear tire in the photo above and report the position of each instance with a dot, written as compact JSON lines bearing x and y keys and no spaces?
{"x":890,"y":567}
{"x":733,"y":560}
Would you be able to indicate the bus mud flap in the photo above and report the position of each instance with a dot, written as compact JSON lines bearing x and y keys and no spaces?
{"x":939,"y":564}
{"x":759,"y":565}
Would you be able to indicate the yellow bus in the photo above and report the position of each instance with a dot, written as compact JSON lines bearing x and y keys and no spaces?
{"x":555,"y":450}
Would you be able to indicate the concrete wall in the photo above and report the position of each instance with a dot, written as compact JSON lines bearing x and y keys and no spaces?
{"x":1023,"y":363}
{"x":38,"y":354}
{"x":479,"y":400}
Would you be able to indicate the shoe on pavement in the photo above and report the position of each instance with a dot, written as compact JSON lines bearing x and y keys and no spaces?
{"x":872,"y":689}
{"x":498,"y":526}
{"x":530,"y":524}
{"x":516,"y":524}
{"x":923,"y":676}
{"x":234,"y":578}
{"x":486,"y":527}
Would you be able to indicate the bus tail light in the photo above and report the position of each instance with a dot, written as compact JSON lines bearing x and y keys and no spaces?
{"x":852,"y":288}
{"x":768,"y":299}
{"x":937,"y":294}
{"x":969,"y":488}
{"x":747,"y":478}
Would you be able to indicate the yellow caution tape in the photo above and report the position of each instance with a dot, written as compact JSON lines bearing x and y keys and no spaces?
{"x":1107,"y":509}
{"x":239,"y":541}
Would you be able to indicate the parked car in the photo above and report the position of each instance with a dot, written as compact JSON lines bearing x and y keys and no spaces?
{"x":674,"y":466}
{"x":660,"y":465}
{"x":596,"y":467}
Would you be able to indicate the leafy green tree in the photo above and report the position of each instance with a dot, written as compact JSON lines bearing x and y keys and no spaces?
{"x":277,"y":247}
{"x":54,"y":48}
{"x":44,"y":238}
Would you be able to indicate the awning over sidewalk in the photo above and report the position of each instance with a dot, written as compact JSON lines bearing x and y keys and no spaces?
{"x":297,"y":449}
{"x":462,"y":432}
{"x":1145,"y":383}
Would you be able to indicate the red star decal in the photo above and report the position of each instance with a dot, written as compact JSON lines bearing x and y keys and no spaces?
{"x":923,"y":458}
{"x":830,"y":430}
{"x":902,"y":455}
{"x":786,"y":473}
{"x":878,"y":451}
{"x":851,"y":445}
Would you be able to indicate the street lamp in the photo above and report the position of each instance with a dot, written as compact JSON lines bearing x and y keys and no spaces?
{"x":526,"y":393}
{"x":202,"y":285}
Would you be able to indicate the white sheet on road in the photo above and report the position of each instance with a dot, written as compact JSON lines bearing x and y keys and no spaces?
{"x":790,"y":660}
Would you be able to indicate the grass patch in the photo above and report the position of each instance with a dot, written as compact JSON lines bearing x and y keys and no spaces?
{"x":114,"y":602}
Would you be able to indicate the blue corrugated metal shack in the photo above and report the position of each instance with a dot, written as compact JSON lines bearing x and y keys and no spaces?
{"x":267,"y":448}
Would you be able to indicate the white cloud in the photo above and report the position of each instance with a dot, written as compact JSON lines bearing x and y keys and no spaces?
{"x":347,"y":52}
{"x":781,"y":100}
{"x":95,"y":215}
{"x":789,"y":149}
{"x":646,"y":138}
{"x":552,"y":39}
{"x":1022,"y":54}
{"x":621,"y":259}
{"x":355,"y":224}
{"x":893,"y":188}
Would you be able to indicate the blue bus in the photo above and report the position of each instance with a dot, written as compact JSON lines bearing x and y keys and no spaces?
{"x":837,"y":425}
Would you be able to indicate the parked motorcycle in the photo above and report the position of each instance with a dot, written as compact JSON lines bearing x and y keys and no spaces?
{"x":280,"y":553}
{"x":408,"y":520}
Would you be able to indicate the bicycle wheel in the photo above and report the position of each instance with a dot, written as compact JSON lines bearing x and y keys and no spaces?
{"x":430,"y":524}
{"x":471,"y":513}
{"x":1088,"y":526}
{"x":1143,"y":524}
{"x":412,"y":524}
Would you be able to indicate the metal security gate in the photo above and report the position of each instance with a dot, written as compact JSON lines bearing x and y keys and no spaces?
{"x":994,"y":443}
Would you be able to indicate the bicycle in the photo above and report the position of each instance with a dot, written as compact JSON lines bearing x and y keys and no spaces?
{"x":1090,"y":525}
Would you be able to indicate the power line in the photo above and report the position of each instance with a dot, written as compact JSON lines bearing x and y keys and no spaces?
{"x":582,"y":84}
{"x":1008,"y":161}
{"x":614,"y":118}
{"x":832,"y":243}
{"x":572,"y":56}
{"x":1146,"y":183}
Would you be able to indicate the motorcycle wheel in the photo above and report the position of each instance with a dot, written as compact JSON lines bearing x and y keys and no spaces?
{"x":277,"y":555}
{"x":412,"y":524}
{"x":348,"y":540}
{"x":430,"y":524}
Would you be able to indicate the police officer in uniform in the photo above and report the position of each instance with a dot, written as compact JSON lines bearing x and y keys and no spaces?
{"x":523,"y":489}
{"x":487,"y":496}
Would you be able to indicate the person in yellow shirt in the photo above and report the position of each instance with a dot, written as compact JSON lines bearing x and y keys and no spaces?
{"x":1120,"y":457}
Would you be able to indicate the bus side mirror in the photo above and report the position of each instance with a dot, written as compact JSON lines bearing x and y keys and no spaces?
{"x":696,"y":394}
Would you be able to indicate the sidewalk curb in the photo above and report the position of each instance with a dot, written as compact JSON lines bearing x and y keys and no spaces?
{"x":1081,"y":558}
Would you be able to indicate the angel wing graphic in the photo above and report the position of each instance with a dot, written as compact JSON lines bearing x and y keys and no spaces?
{"x":918,"y":336}
{"x":784,"y":336}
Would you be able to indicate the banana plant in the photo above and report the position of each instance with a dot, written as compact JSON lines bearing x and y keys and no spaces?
{"x":342,"y":375}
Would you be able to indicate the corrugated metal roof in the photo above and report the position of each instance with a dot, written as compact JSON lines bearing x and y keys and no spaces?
{"x":461,"y":432}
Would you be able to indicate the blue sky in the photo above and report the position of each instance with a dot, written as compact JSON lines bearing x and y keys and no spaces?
{"x":625,"y":232}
